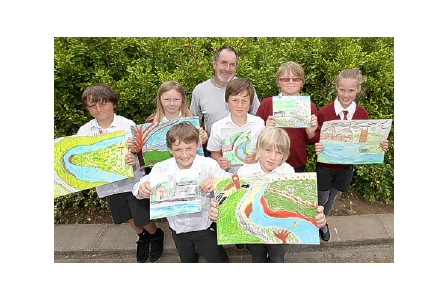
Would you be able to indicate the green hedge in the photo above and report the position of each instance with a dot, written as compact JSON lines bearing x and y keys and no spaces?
{"x":135,"y":67}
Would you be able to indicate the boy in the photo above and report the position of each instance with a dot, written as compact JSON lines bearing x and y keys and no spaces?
{"x":189,"y":230}
{"x":101,"y":102}
{"x":290,"y":79}
{"x":273,"y":146}
{"x":239,"y":97}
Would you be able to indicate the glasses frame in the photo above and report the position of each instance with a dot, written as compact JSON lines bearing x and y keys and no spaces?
{"x":289,"y":79}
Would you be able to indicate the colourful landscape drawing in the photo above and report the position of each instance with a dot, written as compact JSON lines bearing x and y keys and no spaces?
{"x":236,"y":144}
{"x":150,"y":138}
{"x":292,"y":111}
{"x":174,"y":193}
{"x":269,"y":209}
{"x":353,"y":142}
{"x":83,"y":162}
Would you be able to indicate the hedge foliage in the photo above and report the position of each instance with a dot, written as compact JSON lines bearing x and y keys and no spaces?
{"x":135,"y":67}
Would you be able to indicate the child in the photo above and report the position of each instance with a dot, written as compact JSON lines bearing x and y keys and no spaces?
{"x":101,"y":102}
{"x":290,"y":79}
{"x":239,"y":97}
{"x":333,"y":179}
{"x":172,"y":104}
{"x":273,"y":146}
{"x":189,"y":230}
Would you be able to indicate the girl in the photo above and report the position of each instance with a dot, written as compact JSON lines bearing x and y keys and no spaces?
{"x":333,"y":179}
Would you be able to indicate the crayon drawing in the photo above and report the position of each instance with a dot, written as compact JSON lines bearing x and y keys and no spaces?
{"x":174,"y":193}
{"x":353,"y":142}
{"x":83,"y":162}
{"x":236,"y":144}
{"x":269,"y":209}
{"x":150,"y":138}
{"x":292,"y":111}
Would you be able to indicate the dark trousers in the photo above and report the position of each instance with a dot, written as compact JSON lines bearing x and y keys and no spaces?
{"x":262,"y":253}
{"x":204,"y":241}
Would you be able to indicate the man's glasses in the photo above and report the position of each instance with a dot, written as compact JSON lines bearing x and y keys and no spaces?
{"x":287,"y":79}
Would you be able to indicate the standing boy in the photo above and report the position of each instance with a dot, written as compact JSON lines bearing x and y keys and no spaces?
{"x":239,"y":97}
{"x":272,"y":151}
{"x":191,"y":230}
{"x":101,"y":102}
{"x":290,"y":79}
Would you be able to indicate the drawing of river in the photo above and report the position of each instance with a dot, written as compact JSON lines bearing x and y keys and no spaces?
{"x":349,"y":153}
{"x":174,"y":209}
{"x":258,"y":218}
{"x":91,"y":174}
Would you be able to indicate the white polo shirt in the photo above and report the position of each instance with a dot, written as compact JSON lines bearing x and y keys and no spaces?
{"x":92,"y":128}
{"x":208,"y":168}
{"x":254,"y":123}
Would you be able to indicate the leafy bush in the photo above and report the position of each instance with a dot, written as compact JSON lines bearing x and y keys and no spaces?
{"x":135,"y":67}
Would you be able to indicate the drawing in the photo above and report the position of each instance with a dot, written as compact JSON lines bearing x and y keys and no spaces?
{"x":292,"y":111}
{"x":236,"y":144}
{"x":83,"y":162}
{"x":268,"y":209}
{"x":151,"y":139}
{"x":353,"y":142}
{"x":174,"y":193}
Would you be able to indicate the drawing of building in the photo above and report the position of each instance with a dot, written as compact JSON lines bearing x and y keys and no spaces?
{"x":186,"y":188}
{"x":160,"y":192}
{"x":363,"y":135}
{"x":328,"y":134}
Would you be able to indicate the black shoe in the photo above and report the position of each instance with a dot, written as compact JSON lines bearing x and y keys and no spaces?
{"x":156,"y":245}
{"x":325,"y":235}
{"x":143,"y":247}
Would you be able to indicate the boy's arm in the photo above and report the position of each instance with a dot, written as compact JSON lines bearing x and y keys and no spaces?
{"x":223,"y":162}
{"x":213,"y":212}
{"x":130,"y":158}
{"x":142,"y":189}
{"x":320,"y":217}
{"x":384,"y":145}
{"x":206,"y":186}
{"x":310,"y":131}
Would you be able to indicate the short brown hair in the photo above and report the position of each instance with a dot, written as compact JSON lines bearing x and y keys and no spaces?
{"x":102,"y":93}
{"x":182,"y":132}
{"x":239,"y":85}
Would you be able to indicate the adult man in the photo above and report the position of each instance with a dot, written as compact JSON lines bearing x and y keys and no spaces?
{"x":207,"y":101}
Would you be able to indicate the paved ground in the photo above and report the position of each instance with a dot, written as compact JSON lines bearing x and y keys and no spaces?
{"x":356,"y":239}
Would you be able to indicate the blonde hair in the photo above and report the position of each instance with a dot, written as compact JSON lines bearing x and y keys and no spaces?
{"x":273,"y":138}
{"x":290,"y":67}
{"x":158,"y":114}
{"x":354,"y":73}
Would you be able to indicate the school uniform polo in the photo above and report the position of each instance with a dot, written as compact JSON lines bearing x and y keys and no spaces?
{"x":208,"y":168}
{"x":92,"y":128}
{"x":208,"y":103}
{"x":254,"y":123}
